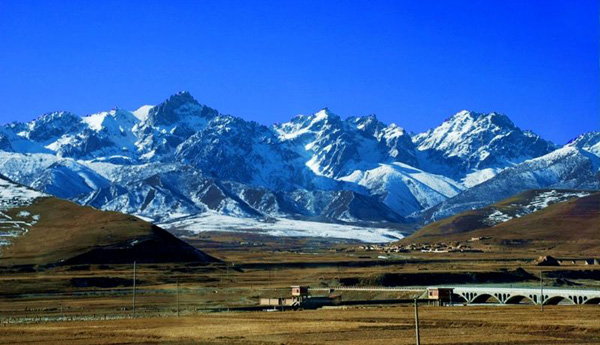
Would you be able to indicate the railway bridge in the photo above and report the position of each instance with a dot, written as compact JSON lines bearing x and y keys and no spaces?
{"x":502,"y":295}
{"x":550,"y":296}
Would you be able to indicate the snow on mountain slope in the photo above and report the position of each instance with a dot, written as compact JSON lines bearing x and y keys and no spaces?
{"x":589,"y":144}
{"x":539,"y":202}
{"x":107,"y":134}
{"x":12,"y":139}
{"x":51,"y":126}
{"x":184,"y":192}
{"x":181,"y":158}
{"x":469,"y":142}
{"x":62,"y":177}
{"x":25,"y":168}
{"x":365,"y":152}
{"x":404,"y":188}
{"x":67,"y":179}
{"x":568,"y":217}
{"x":169,"y":124}
{"x":333,"y":147}
{"x":142,"y":112}
{"x":13,"y":195}
{"x":588,"y":141}
{"x":230,"y":148}
{"x":565,"y":168}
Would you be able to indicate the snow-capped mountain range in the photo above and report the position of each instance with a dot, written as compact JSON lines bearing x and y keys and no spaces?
{"x":181,"y":161}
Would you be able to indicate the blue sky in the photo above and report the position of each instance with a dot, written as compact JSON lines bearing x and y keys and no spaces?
{"x":414,"y":63}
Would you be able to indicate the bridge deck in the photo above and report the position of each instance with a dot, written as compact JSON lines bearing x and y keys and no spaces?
{"x":473,"y":294}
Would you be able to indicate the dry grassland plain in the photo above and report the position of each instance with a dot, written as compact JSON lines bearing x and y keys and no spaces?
{"x":206,"y":292}
{"x":392,"y":325}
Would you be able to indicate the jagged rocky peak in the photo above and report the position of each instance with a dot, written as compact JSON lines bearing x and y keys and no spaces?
{"x":322,"y":118}
{"x":394,"y":140}
{"x":324,"y":113}
{"x":55,"y":117}
{"x":308,"y":124}
{"x":51,"y":125}
{"x":369,"y":124}
{"x":471,"y":141}
{"x":589,"y":141}
{"x":362,"y":167}
{"x":176,"y":108}
{"x":500,"y":120}
{"x":109,"y":120}
{"x":465,"y":122}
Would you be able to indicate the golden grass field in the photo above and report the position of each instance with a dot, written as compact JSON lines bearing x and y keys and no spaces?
{"x":207,"y":292}
{"x":47,"y":305}
{"x":391,"y":325}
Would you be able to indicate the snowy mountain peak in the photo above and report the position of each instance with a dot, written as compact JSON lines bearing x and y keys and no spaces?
{"x":466,"y":120}
{"x":142,"y":112}
{"x":54,"y":116}
{"x":589,"y":142}
{"x":120,"y":118}
{"x":324,"y":114}
{"x":314,"y":124}
{"x":469,"y":142}
{"x":51,"y":125}
{"x":178,"y":108}
{"x":368,"y":124}
{"x":181,"y":159}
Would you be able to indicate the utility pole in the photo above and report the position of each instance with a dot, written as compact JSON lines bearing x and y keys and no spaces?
{"x":177,"y":297}
{"x":418,"y":337}
{"x":133,"y":289}
{"x":542,"y":290}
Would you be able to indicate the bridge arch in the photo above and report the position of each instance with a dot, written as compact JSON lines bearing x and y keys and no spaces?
{"x":518,"y":299}
{"x":459,"y":298}
{"x":554,"y":300}
{"x":593,"y":300}
{"x":484,"y":298}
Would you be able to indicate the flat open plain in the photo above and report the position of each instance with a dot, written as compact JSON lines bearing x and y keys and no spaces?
{"x":102,"y":296}
{"x":393,"y":325}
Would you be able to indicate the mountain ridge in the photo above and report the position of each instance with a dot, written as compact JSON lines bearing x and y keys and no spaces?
{"x":300,"y":168}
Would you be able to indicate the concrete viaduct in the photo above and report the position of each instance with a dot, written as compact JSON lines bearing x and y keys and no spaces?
{"x":532,"y":295}
{"x":483,"y":294}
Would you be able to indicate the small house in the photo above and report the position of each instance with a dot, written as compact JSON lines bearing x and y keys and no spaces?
{"x":299,"y":291}
{"x":440,"y":295}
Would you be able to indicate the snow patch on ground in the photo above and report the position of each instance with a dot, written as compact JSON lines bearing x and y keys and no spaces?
{"x":282,"y":227}
{"x":13,"y":195}
{"x":539,"y":202}
{"x":546,"y":199}
{"x":497,"y":217}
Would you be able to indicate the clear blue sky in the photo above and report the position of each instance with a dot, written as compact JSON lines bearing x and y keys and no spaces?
{"x":410,"y":62}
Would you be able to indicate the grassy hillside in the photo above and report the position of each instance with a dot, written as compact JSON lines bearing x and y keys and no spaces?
{"x":68,"y":233}
{"x":572,"y":225}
